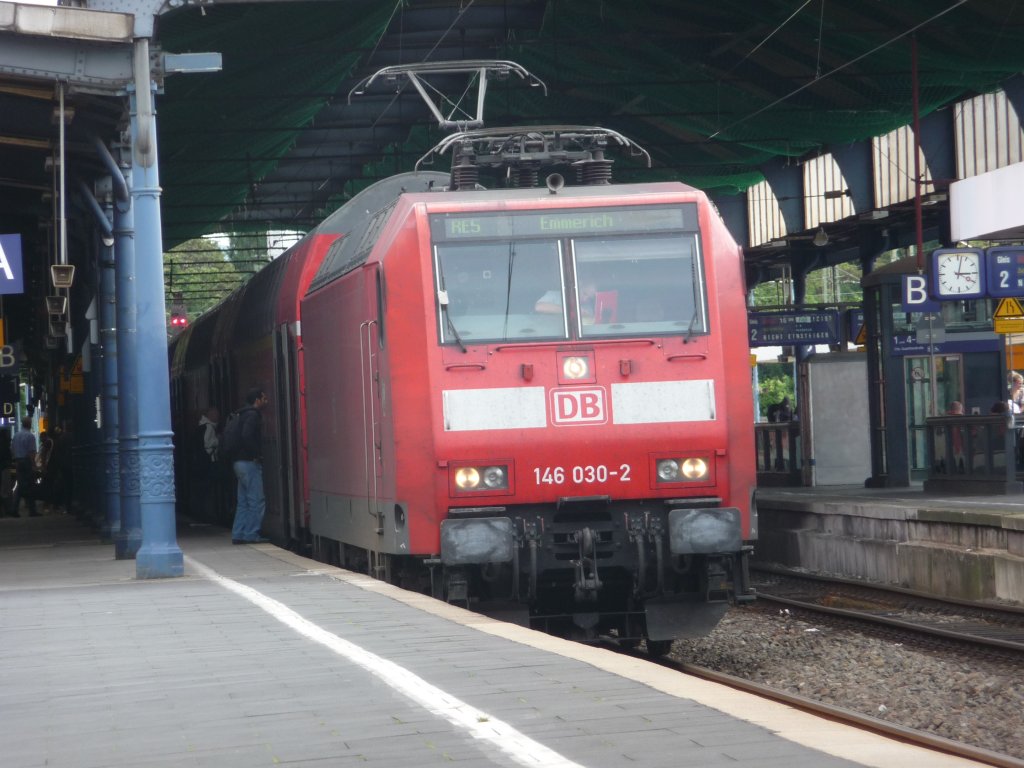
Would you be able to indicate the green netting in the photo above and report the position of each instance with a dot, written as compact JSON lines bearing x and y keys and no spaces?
{"x":712,"y":90}
{"x":220,"y":133}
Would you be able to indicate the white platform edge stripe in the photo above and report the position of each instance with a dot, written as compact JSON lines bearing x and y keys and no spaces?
{"x":837,"y":739}
{"x":512,"y":743}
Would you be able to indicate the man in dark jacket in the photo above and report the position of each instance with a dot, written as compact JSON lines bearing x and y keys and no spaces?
{"x":248,"y":470}
{"x":23,"y":446}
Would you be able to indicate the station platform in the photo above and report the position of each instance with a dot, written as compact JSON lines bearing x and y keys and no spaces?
{"x":258,"y":656}
{"x":965,"y":547}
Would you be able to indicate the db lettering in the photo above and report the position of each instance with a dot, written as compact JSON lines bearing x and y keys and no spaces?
{"x":578,"y":406}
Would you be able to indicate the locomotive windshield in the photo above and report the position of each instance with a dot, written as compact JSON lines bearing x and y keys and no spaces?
{"x":599,"y":273}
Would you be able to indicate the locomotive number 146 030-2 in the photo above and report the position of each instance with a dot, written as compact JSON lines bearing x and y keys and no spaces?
{"x":581,"y":474}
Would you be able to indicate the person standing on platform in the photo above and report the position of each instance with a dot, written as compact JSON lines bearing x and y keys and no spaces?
{"x":6,"y":485}
{"x":956,"y":408}
{"x":209,"y":437}
{"x":1016,"y":400}
{"x":23,"y":448}
{"x":781,"y":412}
{"x":785,"y":412}
{"x":247,"y":462}
{"x":204,"y":461}
{"x":59,"y":468}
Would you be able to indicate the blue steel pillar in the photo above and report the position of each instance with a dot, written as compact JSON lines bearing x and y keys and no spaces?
{"x":110,"y":498}
{"x":129,"y":535}
{"x":116,"y":210}
{"x":159,"y":555}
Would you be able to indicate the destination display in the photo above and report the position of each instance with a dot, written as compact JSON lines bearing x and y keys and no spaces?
{"x":564,"y":223}
{"x":770,"y":329}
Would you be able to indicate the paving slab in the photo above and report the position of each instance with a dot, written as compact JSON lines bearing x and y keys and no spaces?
{"x":257,"y":656}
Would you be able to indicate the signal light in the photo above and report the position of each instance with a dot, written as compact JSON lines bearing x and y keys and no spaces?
{"x":178,"y":320}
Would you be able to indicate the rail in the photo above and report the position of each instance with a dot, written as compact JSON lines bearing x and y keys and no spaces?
{"x":971,"y":455}
{"x":779,"y":458}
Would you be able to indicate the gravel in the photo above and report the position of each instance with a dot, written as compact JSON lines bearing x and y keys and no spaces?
{"x":947,"y":693}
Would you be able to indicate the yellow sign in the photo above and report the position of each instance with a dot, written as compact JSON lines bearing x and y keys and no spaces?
{"x":74,"y":384}
{"x":1008,"y":324}
{"x":862,"y":337}
{"x":1009,"y":307}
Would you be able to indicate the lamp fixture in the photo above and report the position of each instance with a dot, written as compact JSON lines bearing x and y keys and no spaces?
{"x":56,"y":305}
{"x":62,"y":275}
{"x":820,"y":237}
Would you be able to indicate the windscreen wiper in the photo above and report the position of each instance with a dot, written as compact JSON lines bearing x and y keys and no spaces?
{"x":442,"y":300}
{"x":693,"y":321}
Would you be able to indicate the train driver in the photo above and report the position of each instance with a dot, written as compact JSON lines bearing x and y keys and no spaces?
{"x":551,"y":302}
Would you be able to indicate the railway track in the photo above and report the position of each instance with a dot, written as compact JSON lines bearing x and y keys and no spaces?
{"x":856,"y":719}
{"x":982,"y":625}
{"x":965,"y":629}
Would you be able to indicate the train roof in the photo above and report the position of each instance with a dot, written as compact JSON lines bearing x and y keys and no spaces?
{"x":362,"y":218}
{"x":354,"y":220}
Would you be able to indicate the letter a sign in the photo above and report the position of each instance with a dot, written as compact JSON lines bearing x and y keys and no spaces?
{"x":12,"y":279}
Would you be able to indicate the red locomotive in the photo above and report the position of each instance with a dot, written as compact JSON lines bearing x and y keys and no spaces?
{"x":533,"y":397}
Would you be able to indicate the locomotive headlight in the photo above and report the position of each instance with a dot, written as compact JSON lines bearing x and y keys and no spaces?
{"x":496,"y":477}
{"x":668,"y":470}
{"x":467,"y":478}
{"x":695,"y":469}
{"x":688,"y":470}
{"x":481,"y":478}
{"x":576,"y":368}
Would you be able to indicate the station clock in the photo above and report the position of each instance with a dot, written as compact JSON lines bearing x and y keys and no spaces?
{"x":958,"y":273}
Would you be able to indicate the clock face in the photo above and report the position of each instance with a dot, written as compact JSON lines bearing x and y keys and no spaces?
{"x":958,"y":273}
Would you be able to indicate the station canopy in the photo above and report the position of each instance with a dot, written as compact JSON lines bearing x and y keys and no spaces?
{"x":712,"y":90}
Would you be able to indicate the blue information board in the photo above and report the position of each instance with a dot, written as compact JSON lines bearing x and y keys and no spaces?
{"x":771,"y":329}
{"x":12,"y":279}
{"x":1005,"y":271}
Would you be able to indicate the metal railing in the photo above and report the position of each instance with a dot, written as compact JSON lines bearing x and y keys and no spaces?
{"x":779,"y":457}
{"x":974,"y":454}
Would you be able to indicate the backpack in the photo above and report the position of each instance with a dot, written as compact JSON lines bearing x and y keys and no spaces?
{"x":230,"y":439}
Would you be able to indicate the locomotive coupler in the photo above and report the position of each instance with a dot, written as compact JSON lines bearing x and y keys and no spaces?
{"x":588,"y":583}
{"x":532,"y":536}
{"x":647,"y":532}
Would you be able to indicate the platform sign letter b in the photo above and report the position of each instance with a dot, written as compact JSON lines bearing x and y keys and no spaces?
{"x":915,"y":295}
{"x":11,"y":275}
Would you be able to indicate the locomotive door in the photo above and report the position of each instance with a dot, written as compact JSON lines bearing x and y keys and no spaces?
{"x":288,"y":429}
{"x":371,"y":342}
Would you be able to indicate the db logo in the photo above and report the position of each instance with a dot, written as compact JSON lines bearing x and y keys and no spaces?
{"x":578,"y":406}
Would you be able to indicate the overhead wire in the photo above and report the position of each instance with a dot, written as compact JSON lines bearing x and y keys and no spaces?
{"x":395,"y":11}
{"x":770,"y":35}
{"x":426,"y":56}
{"x":840,"y":68}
